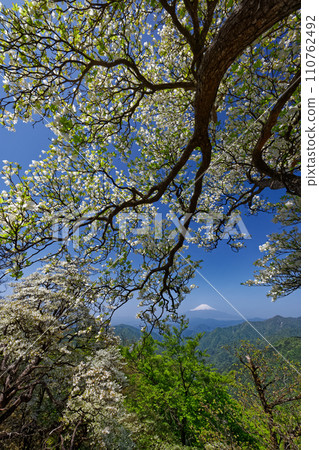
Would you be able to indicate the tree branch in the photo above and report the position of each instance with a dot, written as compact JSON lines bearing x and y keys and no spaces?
{"x":289,"y":180}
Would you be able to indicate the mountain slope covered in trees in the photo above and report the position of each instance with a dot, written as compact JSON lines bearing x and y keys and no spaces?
{"x":274,"y":330}
{"x":282,"y":332}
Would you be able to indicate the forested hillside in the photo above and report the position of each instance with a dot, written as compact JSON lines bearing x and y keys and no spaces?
{"x":282,"y":332}
{"x":184,"y":402}
{"x":66,"y":382}
{"x":277,"y":330}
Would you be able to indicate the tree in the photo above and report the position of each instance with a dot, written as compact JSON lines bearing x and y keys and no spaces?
{"x":280,"y":267}
{"x":178,"y":398}
{"x":61,"y":372}
{"x":271,"y":386}
{"x":190,"y":107}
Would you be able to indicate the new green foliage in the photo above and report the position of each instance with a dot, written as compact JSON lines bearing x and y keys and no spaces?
{"x":268,"y":386}
{"x":179,"y":398}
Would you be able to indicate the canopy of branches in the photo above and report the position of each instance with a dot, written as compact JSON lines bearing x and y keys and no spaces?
{"x":164,"y":112}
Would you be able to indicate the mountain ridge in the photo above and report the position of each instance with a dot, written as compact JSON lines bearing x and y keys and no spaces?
{"x":280,"y":331}
{"x":269,"y":331}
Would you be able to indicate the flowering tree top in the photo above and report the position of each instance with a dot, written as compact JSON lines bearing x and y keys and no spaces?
{"x":179,"y":107}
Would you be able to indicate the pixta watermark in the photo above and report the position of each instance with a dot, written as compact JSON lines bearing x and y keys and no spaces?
{"x":157,"y":226}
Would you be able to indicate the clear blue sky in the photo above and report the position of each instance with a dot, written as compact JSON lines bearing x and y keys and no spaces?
{"x":223,"y":268}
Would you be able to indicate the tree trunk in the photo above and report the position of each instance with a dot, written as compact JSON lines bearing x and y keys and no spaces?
{"x":183,"y":431}
{"x":247,"y":22}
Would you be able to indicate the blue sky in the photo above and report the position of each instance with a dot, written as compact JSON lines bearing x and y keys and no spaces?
{"x":222,"y":268}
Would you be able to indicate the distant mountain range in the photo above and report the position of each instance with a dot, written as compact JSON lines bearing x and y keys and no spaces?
{"x":205,"y":318}
{"x":282,"y":332}
{"x":201,"y":318}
